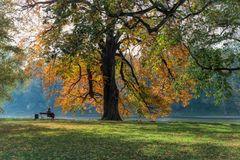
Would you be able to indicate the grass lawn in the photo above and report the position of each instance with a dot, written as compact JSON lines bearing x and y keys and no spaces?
{"x":43,"y":139}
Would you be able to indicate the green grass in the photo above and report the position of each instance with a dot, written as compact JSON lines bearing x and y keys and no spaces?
{"x":43,"y":139}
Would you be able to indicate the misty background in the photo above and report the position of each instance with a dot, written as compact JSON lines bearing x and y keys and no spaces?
{"x":31,"y":100}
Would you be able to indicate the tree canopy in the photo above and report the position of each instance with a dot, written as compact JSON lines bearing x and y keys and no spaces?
{"x":136,"y":56}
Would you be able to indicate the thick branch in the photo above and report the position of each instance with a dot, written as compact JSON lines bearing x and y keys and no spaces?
{"x":158,"y":7}
{"x":131,"y":14}
{"x":90,"y":83}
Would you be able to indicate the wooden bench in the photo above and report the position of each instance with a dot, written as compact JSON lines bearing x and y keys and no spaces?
{"x":51,"y":114}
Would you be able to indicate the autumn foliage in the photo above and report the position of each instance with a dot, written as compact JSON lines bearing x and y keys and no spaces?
{"x":161,"y":76}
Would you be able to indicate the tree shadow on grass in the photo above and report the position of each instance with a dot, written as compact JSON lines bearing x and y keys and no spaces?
{"x":30,"y":142}
{"x":203,"y":128}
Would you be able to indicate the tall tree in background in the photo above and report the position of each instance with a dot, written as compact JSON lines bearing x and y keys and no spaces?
{"x":10,"y":55}
{"x":146,"y":54}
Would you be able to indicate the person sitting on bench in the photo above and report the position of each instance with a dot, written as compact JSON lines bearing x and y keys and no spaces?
{"x":49,"y":113}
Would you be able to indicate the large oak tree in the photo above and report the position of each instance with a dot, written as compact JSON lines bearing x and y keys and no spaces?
{"x":143,"y":53}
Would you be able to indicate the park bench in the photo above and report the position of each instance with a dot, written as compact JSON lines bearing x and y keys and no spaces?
{"x":51,"y":114}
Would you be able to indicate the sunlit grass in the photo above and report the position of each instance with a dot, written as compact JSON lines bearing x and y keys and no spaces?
{"x":27,"y":139}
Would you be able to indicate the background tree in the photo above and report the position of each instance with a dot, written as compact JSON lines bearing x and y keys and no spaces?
{"x":146,"y":51}
{"x":10,"y":55}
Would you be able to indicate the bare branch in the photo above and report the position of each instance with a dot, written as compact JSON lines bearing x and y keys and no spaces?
{"x":79,"y":79}
{"x":210,"y":67}
{"x":169,"y":70}
{"x":130,"y":66}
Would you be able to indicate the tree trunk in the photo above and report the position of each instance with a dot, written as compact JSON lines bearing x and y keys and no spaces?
{"x":111,"y":92}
